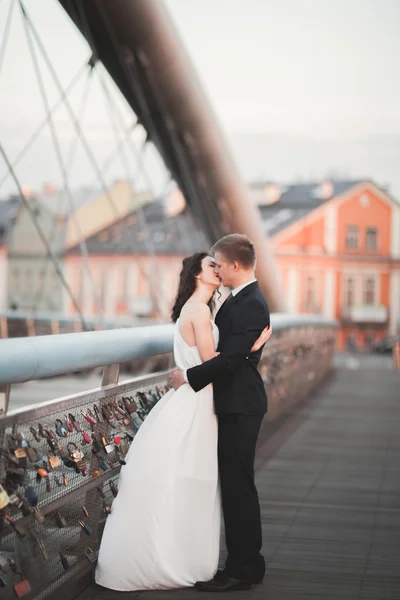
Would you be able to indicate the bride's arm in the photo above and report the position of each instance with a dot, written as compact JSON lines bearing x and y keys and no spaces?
{"x":203,"y":332}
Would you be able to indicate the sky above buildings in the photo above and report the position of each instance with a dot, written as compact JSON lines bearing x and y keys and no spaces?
{"x":302,"y":88}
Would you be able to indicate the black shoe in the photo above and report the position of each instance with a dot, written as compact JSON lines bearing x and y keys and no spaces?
{"x":218,"y":575}
{"x":222,"y":583}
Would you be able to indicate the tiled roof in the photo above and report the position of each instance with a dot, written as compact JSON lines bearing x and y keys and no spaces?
{"x":297,"y":201}
{"x":149,"y":228}
{"x":8,"y":212}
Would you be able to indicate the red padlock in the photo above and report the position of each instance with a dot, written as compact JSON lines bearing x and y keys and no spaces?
{"x":23,"y":587}
{"x":86,"y":438}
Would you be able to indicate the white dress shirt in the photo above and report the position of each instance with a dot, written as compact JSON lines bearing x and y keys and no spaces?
{"x":234,"y":292}
{"x":241,"y":287}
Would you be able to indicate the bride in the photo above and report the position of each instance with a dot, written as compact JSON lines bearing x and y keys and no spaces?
{"x":164,"y":528}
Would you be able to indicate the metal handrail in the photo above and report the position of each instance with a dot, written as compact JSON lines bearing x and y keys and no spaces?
{"x":31,"y":358}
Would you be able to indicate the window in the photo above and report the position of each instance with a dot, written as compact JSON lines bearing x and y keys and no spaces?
{"x":352,"y":237}
{"x":371,"y":239}
{"x":349,"y":298}
{"x":310,"y":295}
{"x":369,"y":291}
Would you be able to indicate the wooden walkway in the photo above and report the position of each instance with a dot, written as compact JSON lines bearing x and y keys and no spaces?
{"x":329,"y":483}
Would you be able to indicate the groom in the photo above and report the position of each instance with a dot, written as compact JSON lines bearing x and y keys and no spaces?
{"x":240,"y":403}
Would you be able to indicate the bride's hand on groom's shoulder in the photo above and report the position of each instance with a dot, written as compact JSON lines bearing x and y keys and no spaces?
{"x":264,"y":337}
{"x":176,"y":379}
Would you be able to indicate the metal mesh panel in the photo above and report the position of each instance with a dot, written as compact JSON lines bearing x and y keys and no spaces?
{"x":291,"y":367}
{"x":71,"y":499}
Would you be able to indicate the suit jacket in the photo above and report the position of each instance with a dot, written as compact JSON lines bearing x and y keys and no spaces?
{"x":238,"y":387}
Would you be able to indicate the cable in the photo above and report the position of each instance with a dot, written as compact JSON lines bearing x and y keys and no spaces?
{"x":68,"y":166}
{"x":43,"y":237}
{"x":82,"y":243}
{"x":141,"y":216}
{"x":39,"y":129}
{"x":6,"y":33}
{"x":70,"y":112}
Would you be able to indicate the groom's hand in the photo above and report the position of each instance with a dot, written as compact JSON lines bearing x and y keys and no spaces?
{"x":176,"y":379}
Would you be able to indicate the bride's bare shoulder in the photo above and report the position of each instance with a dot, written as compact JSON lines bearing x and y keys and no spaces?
{"x":196,"y":311}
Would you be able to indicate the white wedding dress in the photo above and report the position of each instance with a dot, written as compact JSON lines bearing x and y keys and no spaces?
{"x":164,"y":528}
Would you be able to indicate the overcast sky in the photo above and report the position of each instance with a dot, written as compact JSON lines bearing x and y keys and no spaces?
{"x":302,"y":87}
{"x":319,"y":67}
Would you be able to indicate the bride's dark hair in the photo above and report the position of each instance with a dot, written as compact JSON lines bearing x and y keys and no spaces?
{"x":191,"y":267}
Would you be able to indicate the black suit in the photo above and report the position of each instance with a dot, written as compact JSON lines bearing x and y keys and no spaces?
{"x":240,"y":403}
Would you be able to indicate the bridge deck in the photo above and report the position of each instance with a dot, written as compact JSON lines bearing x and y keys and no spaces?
{"x":329,"y":483}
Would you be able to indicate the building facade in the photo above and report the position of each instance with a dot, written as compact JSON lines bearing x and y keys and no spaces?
{"x":134,"y":264}
{"x":338,"y":249}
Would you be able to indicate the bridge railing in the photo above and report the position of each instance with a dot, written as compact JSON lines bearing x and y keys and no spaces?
{"x":60,"y":460}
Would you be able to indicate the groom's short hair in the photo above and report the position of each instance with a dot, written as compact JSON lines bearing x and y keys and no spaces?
{"x":237,"y":247}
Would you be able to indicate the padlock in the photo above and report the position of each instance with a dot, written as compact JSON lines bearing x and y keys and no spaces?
{"x":119,"y":456}
{"x":31,"y":495}
{"x":75,"y":424}
{"x":82,"y":467}
{"x":102,"y":464}
{"x":74,"y":452}
{"x":4,"y":498}
{"x":35,"y":434}
{"x":119,"y":412}
{"x":84,"y":527}
{"x":41,"y":472}
{"x":68,"y":423}
{"x":22,"y":588}
{"x":108,"y":416}
{"x":20,"y":453}
{"x":106,"y":508}
{"x":137,"y":421}
{"x":65,"y":480}
{"x":85,"y":511}
{"x":61,"y":428}
{"x":32,"y":454}
{"x":114,"y":489}
{"x":127,"y":419}
{"x":86,"y":439}
{"x":130,"y":405}
{"x":124,"y":447}
{"x":60,"y":520}
{"x":91,"y":556}
{"x":96,"y":445}
{"x":88,"y":415}
{"x":64,"y":561}
{"x":98,"y":414}
{"x":54,"y":461}
{"x":107,"y":446}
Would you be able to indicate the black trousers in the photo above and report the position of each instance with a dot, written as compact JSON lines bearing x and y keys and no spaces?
{"x":237,"y":438}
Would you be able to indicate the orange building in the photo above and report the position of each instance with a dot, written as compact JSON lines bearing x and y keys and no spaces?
{"x":337,"y":245}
